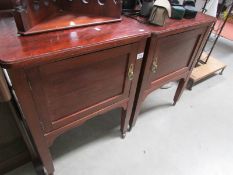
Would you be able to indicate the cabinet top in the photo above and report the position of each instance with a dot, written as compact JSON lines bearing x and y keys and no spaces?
{"x":20,"y":51}
{"x":173,"y":26}
{"x":17,"y":51}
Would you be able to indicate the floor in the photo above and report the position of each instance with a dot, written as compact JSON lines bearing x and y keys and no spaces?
{"x":195,"y":137}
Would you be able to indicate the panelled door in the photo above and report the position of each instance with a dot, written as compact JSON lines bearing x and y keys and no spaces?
{"x":175,"y":52}
{"x":70,"y":89}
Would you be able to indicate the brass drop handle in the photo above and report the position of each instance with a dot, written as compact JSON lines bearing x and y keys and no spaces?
{"x":130,"y":72}
{"x":154,"y":66}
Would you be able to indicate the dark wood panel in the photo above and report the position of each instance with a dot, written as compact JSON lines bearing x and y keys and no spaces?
{"x":175,"y":52}
{"x":66,"y":87}
{"x":6,"y":4}
{"x":13,"y":150}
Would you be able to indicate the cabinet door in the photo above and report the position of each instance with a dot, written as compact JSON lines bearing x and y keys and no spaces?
{"x":175,"y":53}
{"x":71,"y":89}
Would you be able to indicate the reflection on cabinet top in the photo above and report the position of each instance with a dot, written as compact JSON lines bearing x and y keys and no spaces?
{"x":26,"y":50}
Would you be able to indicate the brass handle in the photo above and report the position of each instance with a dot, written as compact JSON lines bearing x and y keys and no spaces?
{"x":154,"y":66}
{"x":130,"y":72}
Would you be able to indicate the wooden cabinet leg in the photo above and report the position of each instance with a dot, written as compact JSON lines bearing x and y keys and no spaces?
{"x":180,"y":89}
{"x":34,"y":152}
{"x":136,"y":110}
{"x":33,"y":130}
{"x":190,"y":84}
{"x":41,"y":157}
{"x":125,"y":119}
{"x":38,"y":167}
{"x":124,"y":124}
{"x":26,"y":136}
{"x":44,"y":163}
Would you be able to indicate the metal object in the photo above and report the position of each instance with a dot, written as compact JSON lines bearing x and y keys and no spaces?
{"x":154,"y":65}
{"x":204,"y":7}
{"x":205,"y":60}
{"x":209,"y":52}
{"x":131,"y":73}
{"x":5,"y":95}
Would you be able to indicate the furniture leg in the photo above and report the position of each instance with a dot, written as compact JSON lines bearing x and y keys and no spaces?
{"x":38,"y":167}
{"x":222,"y":71}
{"x":190,"y":84}
{"x":125,"y":118}
{"x":36,"y":136}
{"x":136,"y":110}
{"x":43,"y":163}
{"x":180,"y":89}
{"x":123,"y":123}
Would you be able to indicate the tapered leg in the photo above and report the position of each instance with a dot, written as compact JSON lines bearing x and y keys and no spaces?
{"x":136,"y":110}
{"x":38,"y":167}
{"x":222,"y":71}
{"x":23,"y":129}
{"x":180,"y":89}
{"x":123,"y":123}
{"x":125,"y":117}
{"x":190,"y":84}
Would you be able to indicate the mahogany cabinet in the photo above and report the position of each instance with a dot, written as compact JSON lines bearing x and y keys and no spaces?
{"x":171,"y":53}
{"x":62,"y":79}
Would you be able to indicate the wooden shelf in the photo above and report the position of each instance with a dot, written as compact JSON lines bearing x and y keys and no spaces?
{"x":64,"y":20}
{"x":204,"y":71}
